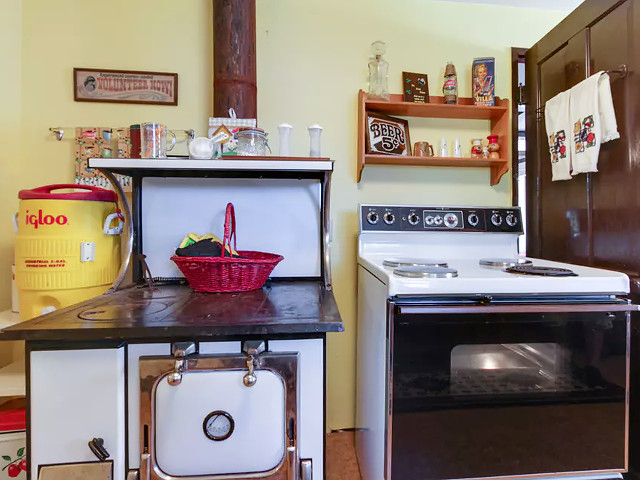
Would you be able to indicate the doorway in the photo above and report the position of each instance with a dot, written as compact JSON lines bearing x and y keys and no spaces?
{"x":518,"y":166}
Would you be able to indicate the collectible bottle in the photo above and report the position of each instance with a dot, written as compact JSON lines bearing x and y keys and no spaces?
{"x":450,"y":87}
{"x":378,"y":72}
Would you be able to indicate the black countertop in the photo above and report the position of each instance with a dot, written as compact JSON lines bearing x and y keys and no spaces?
{"x":176,"y":311}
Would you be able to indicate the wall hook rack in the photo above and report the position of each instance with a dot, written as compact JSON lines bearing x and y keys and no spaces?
{"x":59,"y":132}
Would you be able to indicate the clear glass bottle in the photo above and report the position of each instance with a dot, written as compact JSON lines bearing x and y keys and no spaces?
{"x":378,"y":72}
{"x":450,"y":87}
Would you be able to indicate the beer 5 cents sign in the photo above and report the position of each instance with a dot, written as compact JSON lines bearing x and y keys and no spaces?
{"x":387,"y":135}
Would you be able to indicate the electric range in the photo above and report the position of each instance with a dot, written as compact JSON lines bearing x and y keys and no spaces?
{"x":475,"y":361}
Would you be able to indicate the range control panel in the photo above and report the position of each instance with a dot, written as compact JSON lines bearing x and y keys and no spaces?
{"x":399,"y":218}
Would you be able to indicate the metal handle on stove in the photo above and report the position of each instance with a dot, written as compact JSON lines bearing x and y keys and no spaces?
{"x":180,"y":351}
{"x":306,"y":469}
{"x":96,"y":445}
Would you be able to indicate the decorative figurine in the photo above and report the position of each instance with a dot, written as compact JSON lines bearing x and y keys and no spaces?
{"x":476,"y":148}
{"x":494,"y":147}
{"x":378,"y":72}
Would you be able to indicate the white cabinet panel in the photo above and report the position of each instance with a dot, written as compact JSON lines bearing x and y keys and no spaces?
{"x":311,"y":390}
{"x":76,"y":395}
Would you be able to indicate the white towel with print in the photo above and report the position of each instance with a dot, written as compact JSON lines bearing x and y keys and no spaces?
{"x":593,"y":121}
{"x":558,"y":124}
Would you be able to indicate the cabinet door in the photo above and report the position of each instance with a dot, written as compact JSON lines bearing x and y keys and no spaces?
{"x":76,"y":395}
{"x":558,"y":229}
{"x":614,"y":191}
{"x":311,"y":387}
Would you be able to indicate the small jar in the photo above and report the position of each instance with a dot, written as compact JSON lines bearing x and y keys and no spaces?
{"x":476,"y":148}
{"x":252,"y":141}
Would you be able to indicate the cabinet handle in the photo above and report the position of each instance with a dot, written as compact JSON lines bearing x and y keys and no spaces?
{"x":97,"y":447}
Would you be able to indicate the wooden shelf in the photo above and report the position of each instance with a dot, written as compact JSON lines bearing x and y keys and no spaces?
{"x":431,"y":161}
{"x":498,"y":115}
{"x":436,"y":108}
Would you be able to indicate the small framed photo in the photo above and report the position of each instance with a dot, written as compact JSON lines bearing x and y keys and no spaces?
{"x":415,"y":87}
{"x":387,"y":135}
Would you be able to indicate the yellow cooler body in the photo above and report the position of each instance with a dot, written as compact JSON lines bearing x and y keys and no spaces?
{"x":64,"y":252}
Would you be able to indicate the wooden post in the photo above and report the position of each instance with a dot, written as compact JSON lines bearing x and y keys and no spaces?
{"x":234,"y":63}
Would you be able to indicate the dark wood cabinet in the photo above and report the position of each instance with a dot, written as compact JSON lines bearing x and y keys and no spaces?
{"x":591,"y":219}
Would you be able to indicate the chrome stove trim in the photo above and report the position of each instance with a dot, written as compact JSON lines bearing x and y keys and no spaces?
{"x":128,"y":223}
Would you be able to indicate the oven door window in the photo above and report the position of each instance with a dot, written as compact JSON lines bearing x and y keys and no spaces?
{"x":478,"y":395}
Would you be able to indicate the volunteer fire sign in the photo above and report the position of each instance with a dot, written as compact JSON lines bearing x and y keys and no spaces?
{"x":125,"y":86}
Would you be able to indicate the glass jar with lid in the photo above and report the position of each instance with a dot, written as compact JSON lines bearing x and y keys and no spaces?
{"x":252,"y":141}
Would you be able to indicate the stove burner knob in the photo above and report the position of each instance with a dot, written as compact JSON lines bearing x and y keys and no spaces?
{"x":389,"y":218}
{"x":512,"y":220}
{"x":496,"y":219}
{"x":429,"y":220}
{"x":451,"y":220}
{"x":438,"y":220}
{"x":372,"y":217}
{"x":414,"y":219}
{"x":473,"y":220}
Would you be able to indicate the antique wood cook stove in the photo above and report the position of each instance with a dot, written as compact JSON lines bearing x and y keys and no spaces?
{"x":155,"y":381}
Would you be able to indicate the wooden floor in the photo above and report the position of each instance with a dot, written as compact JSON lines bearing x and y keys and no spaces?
{"x":341,"y":457}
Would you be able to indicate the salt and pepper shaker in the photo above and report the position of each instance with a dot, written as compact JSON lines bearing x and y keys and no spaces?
{"x":444,"y":147}
{"x":284,"y":129}
{"x":314,"y":137}
{"x":457,"y":148}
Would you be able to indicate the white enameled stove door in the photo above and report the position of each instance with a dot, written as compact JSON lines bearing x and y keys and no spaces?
{"x":257,"y":442}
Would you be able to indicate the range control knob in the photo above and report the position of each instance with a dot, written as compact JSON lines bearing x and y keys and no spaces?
{"x":512,"y":220}
{"x":373,"y":217}
{"x":429,"y":220}
{"x":437,"y":220}
{"x":389,"y":218}
{"x":496,"y":219}
{"x":473,"y":220}
{"x":413,"y":219}
{"x":451,"y":220}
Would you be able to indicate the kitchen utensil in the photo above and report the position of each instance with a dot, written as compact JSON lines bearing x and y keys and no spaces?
{"x":206,"y":148}
{"x":252,"y":141}
{"x":315,"y":131}
{"x":153,"y":140}
{"x":423,"y":149}
{"x":284,"y":129}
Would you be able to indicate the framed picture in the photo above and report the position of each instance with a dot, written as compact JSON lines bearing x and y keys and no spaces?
{"x":387,"y":135}
{"x":415,"y":87}
{"x":125,"y":86}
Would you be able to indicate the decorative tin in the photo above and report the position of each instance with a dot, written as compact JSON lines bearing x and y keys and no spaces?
{"x":483,"y":81}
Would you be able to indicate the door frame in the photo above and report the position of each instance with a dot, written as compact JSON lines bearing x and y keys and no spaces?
{"x":517,"y":57}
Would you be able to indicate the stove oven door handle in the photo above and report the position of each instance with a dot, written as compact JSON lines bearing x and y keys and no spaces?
{"x":528,"y":308}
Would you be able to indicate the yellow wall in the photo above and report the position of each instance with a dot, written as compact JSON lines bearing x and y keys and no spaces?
{"x":312,"y":59}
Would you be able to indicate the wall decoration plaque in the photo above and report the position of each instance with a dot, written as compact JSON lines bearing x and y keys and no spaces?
{"x":387,"y":135}
{"x":125,"y":86}
{"x":415,"y":87}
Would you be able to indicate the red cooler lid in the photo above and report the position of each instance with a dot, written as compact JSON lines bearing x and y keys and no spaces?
{"x":11,"y":420}
{"x":92,"y":193}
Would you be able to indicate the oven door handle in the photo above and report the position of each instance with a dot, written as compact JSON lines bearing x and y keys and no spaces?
{"x":528,"y":308}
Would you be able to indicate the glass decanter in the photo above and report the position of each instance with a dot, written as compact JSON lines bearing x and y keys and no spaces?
{"x":378,"y":72}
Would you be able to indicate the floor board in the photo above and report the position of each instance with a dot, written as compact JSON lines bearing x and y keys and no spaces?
{"x":341,"y":457}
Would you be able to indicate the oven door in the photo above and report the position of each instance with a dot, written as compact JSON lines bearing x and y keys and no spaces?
{"x":507,"y":389}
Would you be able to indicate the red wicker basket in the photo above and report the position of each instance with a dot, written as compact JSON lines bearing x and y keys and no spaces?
{"x":225,"y":273}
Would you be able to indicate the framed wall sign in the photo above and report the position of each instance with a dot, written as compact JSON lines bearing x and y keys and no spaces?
{"x":125,"y":86}
{"x":387,"y":135}
{"x":415,"y":87}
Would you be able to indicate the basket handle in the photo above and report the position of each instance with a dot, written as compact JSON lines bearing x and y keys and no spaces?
{"x":229,"y":229}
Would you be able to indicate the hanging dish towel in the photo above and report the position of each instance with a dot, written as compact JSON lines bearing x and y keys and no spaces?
{"x":558,"y":123}
{"x":593,"y":119}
